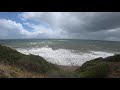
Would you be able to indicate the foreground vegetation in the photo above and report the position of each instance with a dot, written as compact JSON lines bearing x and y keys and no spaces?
{"x":13,"y":64}
{"x":101,"y":68}
{"x":29,"y":63}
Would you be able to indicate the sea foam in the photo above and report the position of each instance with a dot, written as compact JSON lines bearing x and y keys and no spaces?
{"x":64,"y":56}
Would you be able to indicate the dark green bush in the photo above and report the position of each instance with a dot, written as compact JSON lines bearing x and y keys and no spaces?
{"x":36,"y":64}
{"x":90,"y":63}
{"x":98,"y":71}
{"x":115,"y":58}
{"x":29,"y":62}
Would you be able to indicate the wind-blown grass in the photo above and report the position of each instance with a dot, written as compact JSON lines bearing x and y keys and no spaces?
{"x":28,"y":62}
{"x":14,"y":64}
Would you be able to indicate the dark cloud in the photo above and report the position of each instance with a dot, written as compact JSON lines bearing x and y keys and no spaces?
{"x":80,"y":25}
{"x":92,"y":22}
{"x":103,"y":21}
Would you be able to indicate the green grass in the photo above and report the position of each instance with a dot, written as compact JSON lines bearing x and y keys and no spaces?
{"x":93,"y":69}
{"x":89,"y":64}
{"x":98,"y":71}
{"x":31,"y":63}
{"x":97,"y":68}
{"x":11,"y":71}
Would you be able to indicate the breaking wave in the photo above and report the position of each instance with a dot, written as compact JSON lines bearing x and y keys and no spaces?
{"x":64,"y":56}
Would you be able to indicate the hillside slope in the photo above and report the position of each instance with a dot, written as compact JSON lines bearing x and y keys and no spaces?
{"x":13,"y":64}
{"x":10,"y":58}
{"x":10,"y":71}
{"x":101,"y":68}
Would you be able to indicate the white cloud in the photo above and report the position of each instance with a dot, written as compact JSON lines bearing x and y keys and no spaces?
{"x":80,"y":25}
{"x":10,"y":29}
{"x":40,"y":31}
{"x":83,"y":25}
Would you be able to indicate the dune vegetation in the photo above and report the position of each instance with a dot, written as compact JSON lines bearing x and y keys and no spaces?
{"x":29,"y":63}
{"x":101,"y":68}
{"x":13,"y":64}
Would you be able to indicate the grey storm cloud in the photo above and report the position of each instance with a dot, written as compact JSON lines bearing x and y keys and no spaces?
{"x":92,"y":22}
{"x":103,"y":21}
{"x":79,"y":22}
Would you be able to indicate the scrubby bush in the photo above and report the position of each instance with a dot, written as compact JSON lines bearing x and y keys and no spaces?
{"x":36,"y":64}
{"x":98,"y":71}
{"x":96,"y":68}
{"x":90,"y":63}
{"x":31,"y":63}
{"x":115,"y":58}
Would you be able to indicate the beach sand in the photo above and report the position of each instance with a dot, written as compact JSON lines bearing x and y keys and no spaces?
{"x":68,"y":68}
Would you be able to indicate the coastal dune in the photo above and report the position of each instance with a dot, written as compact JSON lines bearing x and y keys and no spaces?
{"x":14,"y":64}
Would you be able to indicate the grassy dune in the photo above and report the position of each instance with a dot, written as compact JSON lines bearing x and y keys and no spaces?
{"x":16,"y":65}
{"x":10,"y":71}
{"x":29,"y":63}
{"x":101,"y":68}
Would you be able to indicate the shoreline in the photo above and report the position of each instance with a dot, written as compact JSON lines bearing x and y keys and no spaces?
{"x":21,"y":65}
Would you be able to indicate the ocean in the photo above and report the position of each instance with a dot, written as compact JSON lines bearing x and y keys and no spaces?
{"x":68,"y":52}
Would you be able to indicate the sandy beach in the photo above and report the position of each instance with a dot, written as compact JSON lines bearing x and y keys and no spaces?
{"x":68,"y":68}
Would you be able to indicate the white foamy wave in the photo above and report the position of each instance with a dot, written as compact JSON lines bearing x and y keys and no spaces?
{"x":64,"y":56}
{"x":32,"y":43}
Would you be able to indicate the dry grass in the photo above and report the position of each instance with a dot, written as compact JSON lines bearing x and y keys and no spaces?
{"x":8,"y":71}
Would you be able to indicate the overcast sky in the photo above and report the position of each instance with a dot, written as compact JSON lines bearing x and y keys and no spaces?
{"x":60,"y":25}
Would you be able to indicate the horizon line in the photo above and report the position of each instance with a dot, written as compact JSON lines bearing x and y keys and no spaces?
{"x":56,"y":39}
